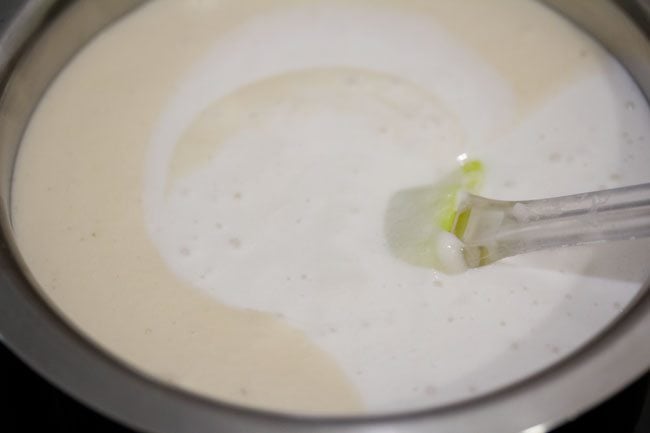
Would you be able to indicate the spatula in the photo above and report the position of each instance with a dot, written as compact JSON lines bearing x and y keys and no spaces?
{"x":447,"y":227}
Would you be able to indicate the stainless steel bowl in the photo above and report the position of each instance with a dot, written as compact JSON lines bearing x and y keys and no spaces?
{"x":36,"y":45}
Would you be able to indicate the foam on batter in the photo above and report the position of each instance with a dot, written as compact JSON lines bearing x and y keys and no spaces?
{"x":282,"y":209}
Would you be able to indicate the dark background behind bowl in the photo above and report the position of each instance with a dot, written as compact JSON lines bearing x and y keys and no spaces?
{"x":29,"y":403}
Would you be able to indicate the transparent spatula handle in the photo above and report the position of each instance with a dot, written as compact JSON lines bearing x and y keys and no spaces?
{"x":494,"y":229}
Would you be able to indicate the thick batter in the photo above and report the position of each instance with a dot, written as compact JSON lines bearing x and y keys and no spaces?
{"x":202,"y":191}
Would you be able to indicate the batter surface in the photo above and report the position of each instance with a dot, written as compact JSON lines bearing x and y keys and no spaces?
{"x":202,"y":192}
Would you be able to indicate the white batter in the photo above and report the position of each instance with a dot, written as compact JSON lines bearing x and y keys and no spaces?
{"x":210,"y":199}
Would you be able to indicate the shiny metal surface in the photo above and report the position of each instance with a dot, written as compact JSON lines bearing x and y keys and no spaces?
{"x":44,"y":36}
